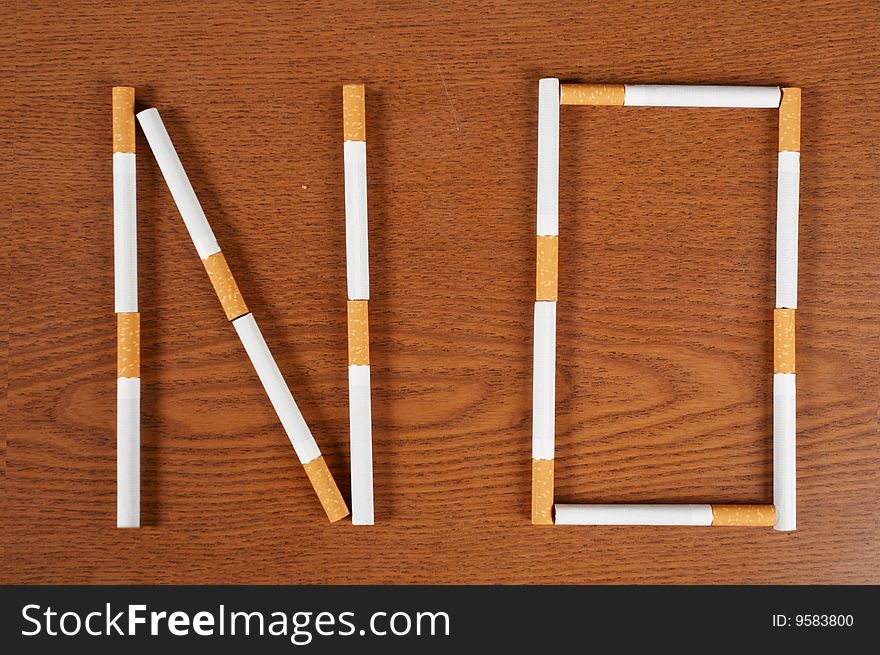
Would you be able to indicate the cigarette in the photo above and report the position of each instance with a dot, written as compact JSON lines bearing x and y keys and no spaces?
{"x":358,"y":281}
{"x":546,"y":283}
{"x":548,"y":157}
{"x":784,"y":395}
{"x":128,"y":383}
{"x":242,"y":320}
{"x":671,"y":95}
{"x":682,"y":95}
{"x":698,"y":515}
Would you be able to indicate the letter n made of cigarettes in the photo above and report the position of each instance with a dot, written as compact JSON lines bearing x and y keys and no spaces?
{"x":551,"y":95}
{"x":233,"y":304}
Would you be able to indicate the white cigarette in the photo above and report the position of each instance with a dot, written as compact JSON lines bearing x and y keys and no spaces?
{"x":128,"y":384}
{"x":360,"y":425}
{"x":548,"y":157}
{"x":681,"y":95}
{"x":356,"y":250}
{"x":128,"y":453}
{"x":784,"y":451}
{"x":544,"y":381}
{"x":787,"y":200}
{"x":178,"y":183}
{"x":634,"y":514}
{"x":125,"y":232}
{"x":276,"y":388}
{"x":358,"y":273}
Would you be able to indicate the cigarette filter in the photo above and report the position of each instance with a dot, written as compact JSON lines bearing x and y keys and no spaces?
{"x":592,"y":94}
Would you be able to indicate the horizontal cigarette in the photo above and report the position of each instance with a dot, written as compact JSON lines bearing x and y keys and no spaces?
{"x":356,"y":248}
{"x":361,"y":435}
{"x":544,"y":381}
{"x":542,"y":491}
{"x":548,"y":157}
{"x":547,"y":267}
{"x":178,"y":183}
{"x":744,"y":515}
{"x":326,"y":489}
{"x":125,"y":231}
{"x":784,"y":451}
{"x":225,"y":286}
{"x":123,"y":119}
{"x":128,"y":345}
{"x":353,"y":115}
{"x":683,"y":95}
{"x":128,"y":453}
{"x":633,"y":514}
{"x":592,"y":94}
{"x":358,"y":332}
{"x":783,"y":341}
{"x":787,"y":200}
{"x":790,"y":120}
{"x":276,"y":388}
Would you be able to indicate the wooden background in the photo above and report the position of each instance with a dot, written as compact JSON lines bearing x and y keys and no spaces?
{"x":666,"y":290}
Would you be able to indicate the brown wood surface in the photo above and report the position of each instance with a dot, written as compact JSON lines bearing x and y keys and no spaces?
{"x":665,"y":311}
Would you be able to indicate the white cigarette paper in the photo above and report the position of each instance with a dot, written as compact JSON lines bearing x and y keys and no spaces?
{"x":544,"y":381}
{"x":128,"y":453}
{"x":125,"y":232}
{"x":360,"y":423}
{"x":178,"y":183}
{"x":787,"y":200}
{"x":633,"y":514}
{"x":784,"y":451}
{"x":681,"y":95}
{"x":276,"y":388}
{"x":356,"y":249}
{"x":548,"y":157}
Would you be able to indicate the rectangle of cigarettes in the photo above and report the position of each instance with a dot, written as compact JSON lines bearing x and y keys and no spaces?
{"x":358,"y":278}
{"x":552,"y":95}
{"x":128,"y":375}
{"x":242,"y":320}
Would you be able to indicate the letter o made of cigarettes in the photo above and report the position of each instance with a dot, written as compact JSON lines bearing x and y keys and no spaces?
{"x":551,"y":95}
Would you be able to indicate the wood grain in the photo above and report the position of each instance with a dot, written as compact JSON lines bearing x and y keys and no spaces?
{"x":665,"y":290}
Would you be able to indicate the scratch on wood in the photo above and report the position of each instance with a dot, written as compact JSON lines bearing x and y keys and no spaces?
{"x":446,"y":91}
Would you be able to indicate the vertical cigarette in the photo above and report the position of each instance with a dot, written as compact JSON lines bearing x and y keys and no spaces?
{"x":358,"y":278}
{"x":547,"y":254}
{"x":128,"y":383}
{"x":784,"y":396}
{"x":237,"y":312}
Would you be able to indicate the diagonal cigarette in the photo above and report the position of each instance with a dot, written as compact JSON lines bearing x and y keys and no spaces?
{"x":357,"y":267}
{"x":237,"y":312}
{"x":128,"y":383}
